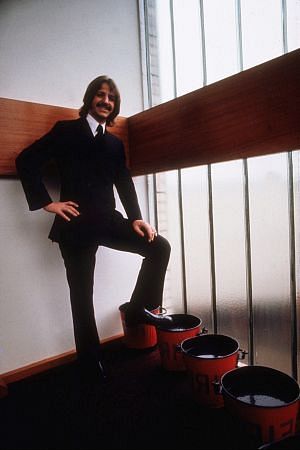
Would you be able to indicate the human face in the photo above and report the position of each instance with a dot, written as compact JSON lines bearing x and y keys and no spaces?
{"x":102,"y":104}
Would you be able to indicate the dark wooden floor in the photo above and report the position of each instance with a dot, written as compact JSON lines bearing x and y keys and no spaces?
{"x":141,"y":406}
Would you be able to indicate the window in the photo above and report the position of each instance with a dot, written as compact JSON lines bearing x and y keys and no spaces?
{"x":230,"y":224}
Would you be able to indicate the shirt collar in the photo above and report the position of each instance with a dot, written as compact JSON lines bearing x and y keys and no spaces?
{"x":94,"y":124}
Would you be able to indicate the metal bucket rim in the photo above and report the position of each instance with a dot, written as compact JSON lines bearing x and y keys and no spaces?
{"x":203,"y":357}
{"x":171,"y":330}
{"x":259,"y":406}
{"x":124,"y":306}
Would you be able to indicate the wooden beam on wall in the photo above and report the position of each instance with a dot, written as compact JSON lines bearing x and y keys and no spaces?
{"x":21,"y":123}
{"x":255,"y":112}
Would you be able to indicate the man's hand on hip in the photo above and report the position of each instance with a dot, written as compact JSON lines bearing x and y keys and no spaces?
{"x":63,"y":209}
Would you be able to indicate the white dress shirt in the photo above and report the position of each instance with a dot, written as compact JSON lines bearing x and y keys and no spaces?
{"x":94,"y":124}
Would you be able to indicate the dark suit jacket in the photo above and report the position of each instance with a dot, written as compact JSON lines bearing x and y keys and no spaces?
{"x":88,"y":169}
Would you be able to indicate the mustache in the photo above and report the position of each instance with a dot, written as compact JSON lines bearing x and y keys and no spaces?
{"x":104,"y":105}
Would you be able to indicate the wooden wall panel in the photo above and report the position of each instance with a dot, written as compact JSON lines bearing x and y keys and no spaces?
{"x":21,"y":123}
{"x":255,"y":112}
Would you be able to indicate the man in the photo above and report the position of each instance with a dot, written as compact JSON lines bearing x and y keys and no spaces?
{"x":90,"y":161}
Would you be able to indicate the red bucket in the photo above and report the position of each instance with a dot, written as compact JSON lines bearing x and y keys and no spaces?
{"x":141,"y":336}
{"x":265,"y":400}
{"x":183,"y":326}
{"x":207,"y":358}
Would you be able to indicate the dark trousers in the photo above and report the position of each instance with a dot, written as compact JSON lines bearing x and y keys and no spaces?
{"x":80,"y":261}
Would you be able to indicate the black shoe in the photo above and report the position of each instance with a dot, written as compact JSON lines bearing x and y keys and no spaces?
{"x":134,"y":317}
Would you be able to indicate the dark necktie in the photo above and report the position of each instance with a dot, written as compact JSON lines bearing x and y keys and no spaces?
{"x":99,"y":131}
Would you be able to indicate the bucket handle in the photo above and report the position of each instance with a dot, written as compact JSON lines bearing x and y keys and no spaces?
{"x":162,"y":311}
{"x":242,"y":354}
{"x":178,"y":346}
{"x":203,"y":331}
{"x":217,"y":387}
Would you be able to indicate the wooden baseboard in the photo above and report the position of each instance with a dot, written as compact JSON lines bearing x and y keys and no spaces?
{"x":43,"y":365}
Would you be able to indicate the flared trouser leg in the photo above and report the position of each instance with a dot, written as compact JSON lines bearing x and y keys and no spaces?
{"x":80,"y":265}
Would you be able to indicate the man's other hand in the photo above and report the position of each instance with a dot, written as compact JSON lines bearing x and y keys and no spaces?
{"x":144,"y":229}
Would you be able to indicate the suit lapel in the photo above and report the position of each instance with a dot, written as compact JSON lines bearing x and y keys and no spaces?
{"x":85,"y":135}
{"x":84,"y":128}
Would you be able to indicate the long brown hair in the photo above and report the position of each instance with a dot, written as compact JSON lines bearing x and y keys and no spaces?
{"x":90,"y":93}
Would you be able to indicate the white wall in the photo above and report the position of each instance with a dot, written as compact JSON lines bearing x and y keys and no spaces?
{"x":50,"y":51}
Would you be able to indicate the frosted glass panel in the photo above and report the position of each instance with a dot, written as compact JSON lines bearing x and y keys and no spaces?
{"x":169,"y":227}
{"x":220,"y":39}
{"x":230,"y":258}
{"x":197,"y":246}
{"x":187,"y":45}
{"x":262,"y":31}
{"x":293,"y":24}
{"x":269,"y":218}
{"x":296,"y":164}
{"x":165,"y":57}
